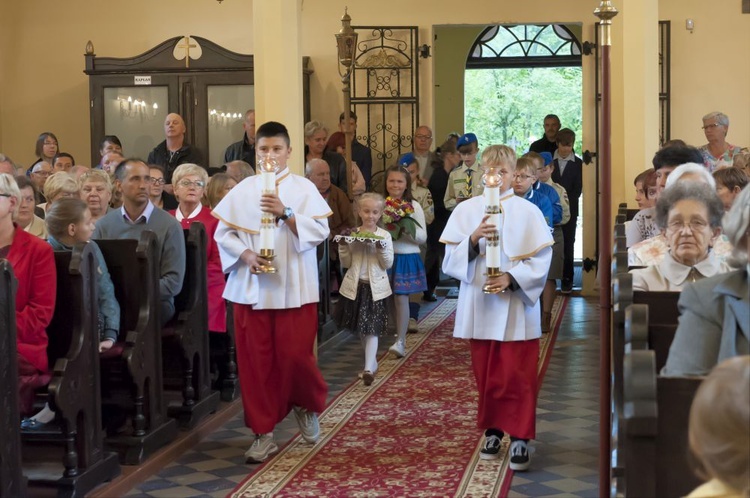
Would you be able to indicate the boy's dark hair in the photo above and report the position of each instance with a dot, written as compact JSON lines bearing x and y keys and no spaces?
{"x":273,"y":129}
{"x":352,"y":115}
{"x":111,"y":139}
{"x":62,"y":154}
{"x":730,"y":177}
{"x":566,"y":136}
{"x":674,"y":155}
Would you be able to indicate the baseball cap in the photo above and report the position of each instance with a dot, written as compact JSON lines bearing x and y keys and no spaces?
{"x":546,"y":156}
{"x":406,"y":159}
{"x":466,"y":139}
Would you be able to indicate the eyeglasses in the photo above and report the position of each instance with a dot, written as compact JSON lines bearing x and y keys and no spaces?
{"x":710,"y":126}
{"x":693,"y":226}
{"x":423,"y":137}
{"x":188,"y":183}
{"x":522,"y":177}
{"x":42,"y":173}
{"x":157,"y":181}
{"x":6,"y":195}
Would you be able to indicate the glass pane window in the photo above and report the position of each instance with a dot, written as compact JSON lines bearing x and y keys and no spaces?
{"x":136,"y":115}
{"x":227,"y":105}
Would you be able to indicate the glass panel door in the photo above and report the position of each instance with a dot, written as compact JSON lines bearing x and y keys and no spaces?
{"x":136,"y":115}
{"x":225,"y":115}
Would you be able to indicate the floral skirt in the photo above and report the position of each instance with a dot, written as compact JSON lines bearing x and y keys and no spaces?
{"x":407,"y":274}
{"x":363,"y":316}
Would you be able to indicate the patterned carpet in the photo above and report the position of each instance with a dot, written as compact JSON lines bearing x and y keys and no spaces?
{"x":412,"y":433}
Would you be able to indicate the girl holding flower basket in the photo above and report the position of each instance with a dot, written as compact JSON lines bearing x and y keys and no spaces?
{"x":404,"y":219}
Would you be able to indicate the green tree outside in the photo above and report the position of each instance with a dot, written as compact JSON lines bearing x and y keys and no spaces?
{"x":507,"y":106}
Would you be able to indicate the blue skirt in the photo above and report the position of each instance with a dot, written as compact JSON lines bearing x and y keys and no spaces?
{"x":407,"y":274}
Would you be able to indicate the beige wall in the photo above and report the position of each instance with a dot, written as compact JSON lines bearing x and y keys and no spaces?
{"x":710,"y":67}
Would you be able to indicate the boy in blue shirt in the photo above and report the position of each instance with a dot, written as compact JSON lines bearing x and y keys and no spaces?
{"x":523,"y":182}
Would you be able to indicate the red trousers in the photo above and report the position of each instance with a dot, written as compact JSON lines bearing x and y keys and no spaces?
{"x":276,"y":364}
{"x":506,"y":374}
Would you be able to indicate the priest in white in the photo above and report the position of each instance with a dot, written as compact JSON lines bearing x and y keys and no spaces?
{"x":503,"y":327}
{"x":275,"y":314}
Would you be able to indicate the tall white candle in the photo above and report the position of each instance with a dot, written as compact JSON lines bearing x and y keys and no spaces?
{"x":266,"y":237}
{"x":493,"y":256}
{"x":269,"y":181}
{"x":492,"y":204}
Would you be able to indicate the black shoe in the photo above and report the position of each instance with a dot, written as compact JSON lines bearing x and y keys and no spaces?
{"x":491,"y":448}
{"x":566,"y":287}
{"x":430,"y":297}
{"x":519,"y":455}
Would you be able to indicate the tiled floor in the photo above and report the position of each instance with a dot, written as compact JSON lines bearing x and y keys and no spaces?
{"x":565,"y":459}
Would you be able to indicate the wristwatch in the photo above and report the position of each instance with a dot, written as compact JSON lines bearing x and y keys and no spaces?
{"x":288,"y":213}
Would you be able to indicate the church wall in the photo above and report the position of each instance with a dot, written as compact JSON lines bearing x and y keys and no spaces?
{"x":710,"y":67}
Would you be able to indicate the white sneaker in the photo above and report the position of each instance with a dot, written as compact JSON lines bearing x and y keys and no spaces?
{"x":309,"y":427}
{"x":398,"y":348}
{"x":520,"y":458}
{"x":263,"y":447}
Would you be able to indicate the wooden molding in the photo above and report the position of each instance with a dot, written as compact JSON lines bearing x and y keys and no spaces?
{"x":746,"y":6}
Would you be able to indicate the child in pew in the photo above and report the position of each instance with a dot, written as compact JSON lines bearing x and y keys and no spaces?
{"x":719,"y":431}
{"x":69,"y":223}
{"x":365,"y":288}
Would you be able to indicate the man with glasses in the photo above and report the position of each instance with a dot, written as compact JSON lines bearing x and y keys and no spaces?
{"x":39,"y":174}
{"x":132,"y":179}
{"x":424,"y":156}
{"x":465,"y":181}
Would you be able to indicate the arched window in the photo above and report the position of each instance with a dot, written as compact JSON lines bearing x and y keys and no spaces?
{"x":525,"y":45}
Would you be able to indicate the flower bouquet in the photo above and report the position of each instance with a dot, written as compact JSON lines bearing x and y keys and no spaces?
{"x":397,"y":218}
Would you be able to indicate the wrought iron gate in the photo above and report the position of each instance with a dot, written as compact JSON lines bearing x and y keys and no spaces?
{"x":385,"y":91}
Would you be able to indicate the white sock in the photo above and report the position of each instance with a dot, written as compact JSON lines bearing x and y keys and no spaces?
{"x":402,"y":315}
{"x":371,"y":353}
{"x":45,"y":416}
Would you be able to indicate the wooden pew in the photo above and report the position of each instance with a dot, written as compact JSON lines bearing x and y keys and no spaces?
{"x":71,"y":457}
{"x":132,"y":381}
{"x":225,"y":354}
{"x":326,"y":326}
{"x":662,"y":318}
{"x":12,"y":481}
{"x":656,"y":412}
{"x":186,"y":336}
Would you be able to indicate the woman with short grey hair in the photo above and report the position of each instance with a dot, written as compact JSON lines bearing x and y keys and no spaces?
{"x":715,"y":312}
{"x":717,"y":153}
{"x":689,"y":215}
{"x":316,"y":138}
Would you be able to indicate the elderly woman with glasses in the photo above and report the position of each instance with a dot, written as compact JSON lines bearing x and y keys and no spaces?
{"x":717,"y":153}
{"x":33,"y":264}
{"x":715,"y":312}
{"x":189,"y":182}
{"x":96,"y":191}
{"x":689,"y":216}
{"x":316,"y":138}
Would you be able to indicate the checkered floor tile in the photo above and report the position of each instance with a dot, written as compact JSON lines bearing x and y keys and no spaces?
{"x":565,"y":458}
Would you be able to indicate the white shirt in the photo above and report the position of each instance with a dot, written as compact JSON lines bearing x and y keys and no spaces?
{"x":526,"y":246}
{"x":563,"y":161}
{"x":196,"y":212}
{"x":296,"y":281}
{"x":143,"y":218}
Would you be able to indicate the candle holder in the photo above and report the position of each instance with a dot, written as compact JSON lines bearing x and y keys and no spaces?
{"x":268,"y":168}
{"x":492,"y":182}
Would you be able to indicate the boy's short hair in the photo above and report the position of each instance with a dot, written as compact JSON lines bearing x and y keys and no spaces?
{"x":673,"y":155}
{"x":537,"y":158}
{"x":499,"y":154}
{"x":526,"y":163}
{"x":566,"y":136}
{"x":273,"y":129}
{"x":352,"y":115}
{"x":731,"y":177}
{"x":468,"y":148}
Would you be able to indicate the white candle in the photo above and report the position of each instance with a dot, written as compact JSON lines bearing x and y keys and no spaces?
{"x":493,"y":256}
{"x":269,"y":181}
{"x":266,"y":237}
{"x":491,"y":196}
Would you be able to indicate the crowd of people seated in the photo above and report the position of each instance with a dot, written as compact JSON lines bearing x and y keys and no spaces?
{"x":692,"y":233}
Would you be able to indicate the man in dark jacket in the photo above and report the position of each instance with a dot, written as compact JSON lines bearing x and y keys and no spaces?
{"x":174,"y":151}
{"x":244,"y":150}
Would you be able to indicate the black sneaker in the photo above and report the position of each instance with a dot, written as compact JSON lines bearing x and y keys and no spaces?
{"x":491,"y":448}
{"x":519,"y":455}
{"x":429,"y":297}
{"x":566,"y":287}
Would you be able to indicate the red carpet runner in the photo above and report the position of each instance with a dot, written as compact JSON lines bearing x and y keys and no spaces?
{"x":412,"y":433}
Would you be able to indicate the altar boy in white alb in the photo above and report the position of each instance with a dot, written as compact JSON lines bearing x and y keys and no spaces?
{"x":503,"y":327}
{"x":275,"y":314}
